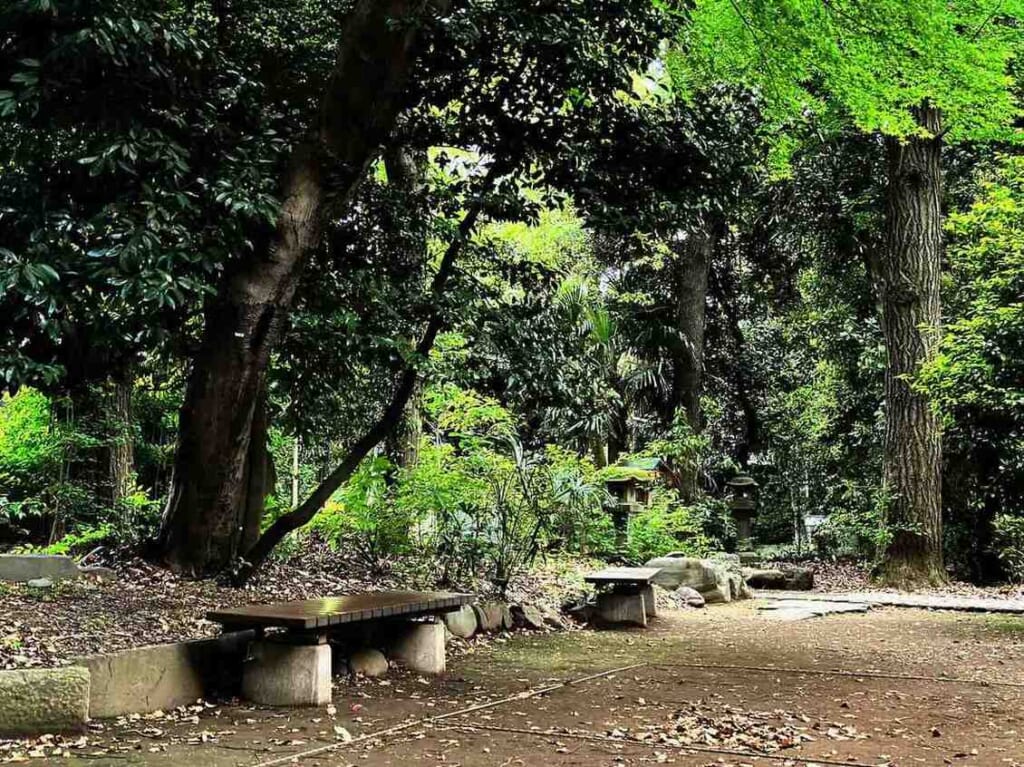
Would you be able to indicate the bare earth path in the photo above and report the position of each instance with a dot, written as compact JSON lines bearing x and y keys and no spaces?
{"x":648,"y":714}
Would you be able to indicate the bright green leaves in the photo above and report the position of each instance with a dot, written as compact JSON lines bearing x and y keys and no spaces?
{"x":869,"y":62}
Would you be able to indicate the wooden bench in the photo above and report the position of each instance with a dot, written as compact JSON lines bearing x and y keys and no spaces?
{"x":625,"y":594}
{"x":293,"y":667}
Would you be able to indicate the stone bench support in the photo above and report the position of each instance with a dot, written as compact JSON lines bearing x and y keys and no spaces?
{"x":419,"y":646}
{"x":614,"y":607}
{"x":280,"y":673}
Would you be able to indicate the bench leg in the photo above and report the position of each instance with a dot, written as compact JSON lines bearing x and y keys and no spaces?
{"x":420,"y":646}
{"x":622,"y":608}
{"x":650,"y":606}
{"x":282,"y":674}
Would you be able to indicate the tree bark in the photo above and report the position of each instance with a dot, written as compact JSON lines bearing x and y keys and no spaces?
{"x":907,"y":281}
{"x":691,"y":266}
{"x":200,"y":533}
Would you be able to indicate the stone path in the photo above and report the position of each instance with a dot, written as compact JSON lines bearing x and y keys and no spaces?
{"x":802,"y":609}
{"x":889,"y":599}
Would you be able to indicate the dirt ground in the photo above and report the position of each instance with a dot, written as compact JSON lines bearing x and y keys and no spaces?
{"x":649,"y":713}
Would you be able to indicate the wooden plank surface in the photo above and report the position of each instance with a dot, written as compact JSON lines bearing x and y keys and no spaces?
{"x":623,"y":575}
{"x":331,"y":611}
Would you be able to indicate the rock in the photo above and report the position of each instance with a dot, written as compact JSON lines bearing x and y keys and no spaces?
{"x":98,"y":573}
{"x":749,"y":557}
{"x":507,"y":622}
{"x":462,"y":622}
{"x":21,"y":568}
{"x":554,"y":620}
{"x":528,"y":617}
{"x":790,"y":578}
{"x":799,"y":578}
{"x":764,"y":579}
{"x":684,"y":571}
{"x":40,"y":583}
{"x":490,"y":616}
{"x":36,"y":701}
{"x":368,"y":662}
{"x":689,"y":596}
{"x":707,"y":576}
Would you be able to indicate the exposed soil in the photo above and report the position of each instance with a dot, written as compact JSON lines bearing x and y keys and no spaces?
{"x":648,"y":714}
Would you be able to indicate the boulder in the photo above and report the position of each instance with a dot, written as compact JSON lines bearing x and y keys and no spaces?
{"x":491,"y":616}
{"x":462,"y":622}
{"x":554,"y":620}
{"x":764,"y":579}
{"x":368,"y":662}
{"x":40,"y":583}
{"x":507,"y":622}
{"x":707,"y":576}
{"x":689,"y":596}
{"x":684,"y":571}
{"x":787,"y":578}
{"x":799,"y":578}
{"x":528,"y":617}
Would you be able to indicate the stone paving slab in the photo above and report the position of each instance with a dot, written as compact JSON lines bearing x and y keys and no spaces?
{"x":891,"y":599}
{"x":803,"y":609}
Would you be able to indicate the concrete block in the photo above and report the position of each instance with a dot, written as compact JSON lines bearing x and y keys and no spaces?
{"x":38,"y":701}
{"x":22,"y":568}
{"x":281,"y":674}
{"x":650,"y":605}
{"x":622,"y":608}
{"x":420,"y":647}
{"x":145,"y":679}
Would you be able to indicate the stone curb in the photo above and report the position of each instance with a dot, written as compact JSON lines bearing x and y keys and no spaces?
{"x":34,"y":701}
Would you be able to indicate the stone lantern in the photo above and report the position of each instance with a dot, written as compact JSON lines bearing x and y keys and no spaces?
{"x":743,"y":506}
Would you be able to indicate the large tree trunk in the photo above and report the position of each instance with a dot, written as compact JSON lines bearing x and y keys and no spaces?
{"x":691,"y":266}
{"x":907,"y":281}
{"x":203,"y":522}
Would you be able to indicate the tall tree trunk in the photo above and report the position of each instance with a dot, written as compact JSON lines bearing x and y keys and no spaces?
{"x":907,"y":281}
{"x":406,"y":169}
{"x":200,"y":531}
{"x":691,"y":266}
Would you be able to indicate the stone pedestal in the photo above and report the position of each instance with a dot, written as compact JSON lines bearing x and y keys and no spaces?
{"x":420,"y":647}
{"x":281,"y":674}
{"x":623,"y":608}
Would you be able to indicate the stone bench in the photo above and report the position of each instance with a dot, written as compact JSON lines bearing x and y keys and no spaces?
{"x":625,"y":594}
{"x":292,"y":667}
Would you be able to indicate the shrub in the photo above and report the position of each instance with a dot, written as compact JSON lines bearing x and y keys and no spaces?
{"x":666,"y":525}
{"x":1008,"y":544}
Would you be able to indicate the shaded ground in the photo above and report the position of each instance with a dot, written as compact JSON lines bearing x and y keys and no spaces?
{"x":845,"y":576}
{"x":650,"y":713}
{"x":149,"y":605}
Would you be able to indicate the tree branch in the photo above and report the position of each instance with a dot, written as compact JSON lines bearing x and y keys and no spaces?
{"x":304,"y":513}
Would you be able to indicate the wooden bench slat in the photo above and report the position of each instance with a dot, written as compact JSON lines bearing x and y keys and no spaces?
{"x":323,"y":613}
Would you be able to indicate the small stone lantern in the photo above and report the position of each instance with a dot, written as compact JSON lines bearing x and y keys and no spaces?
{"x":743,"y":506}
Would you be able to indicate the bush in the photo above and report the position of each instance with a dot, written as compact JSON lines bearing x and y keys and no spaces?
{"x":1008,"y":545}
{"x":666,"y":525}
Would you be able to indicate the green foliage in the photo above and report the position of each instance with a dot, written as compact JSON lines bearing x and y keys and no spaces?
{"x":869,"y":62}
{"x":665,"y":525}
{"x":1008,"y":543}
{"x":82,"y":541}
